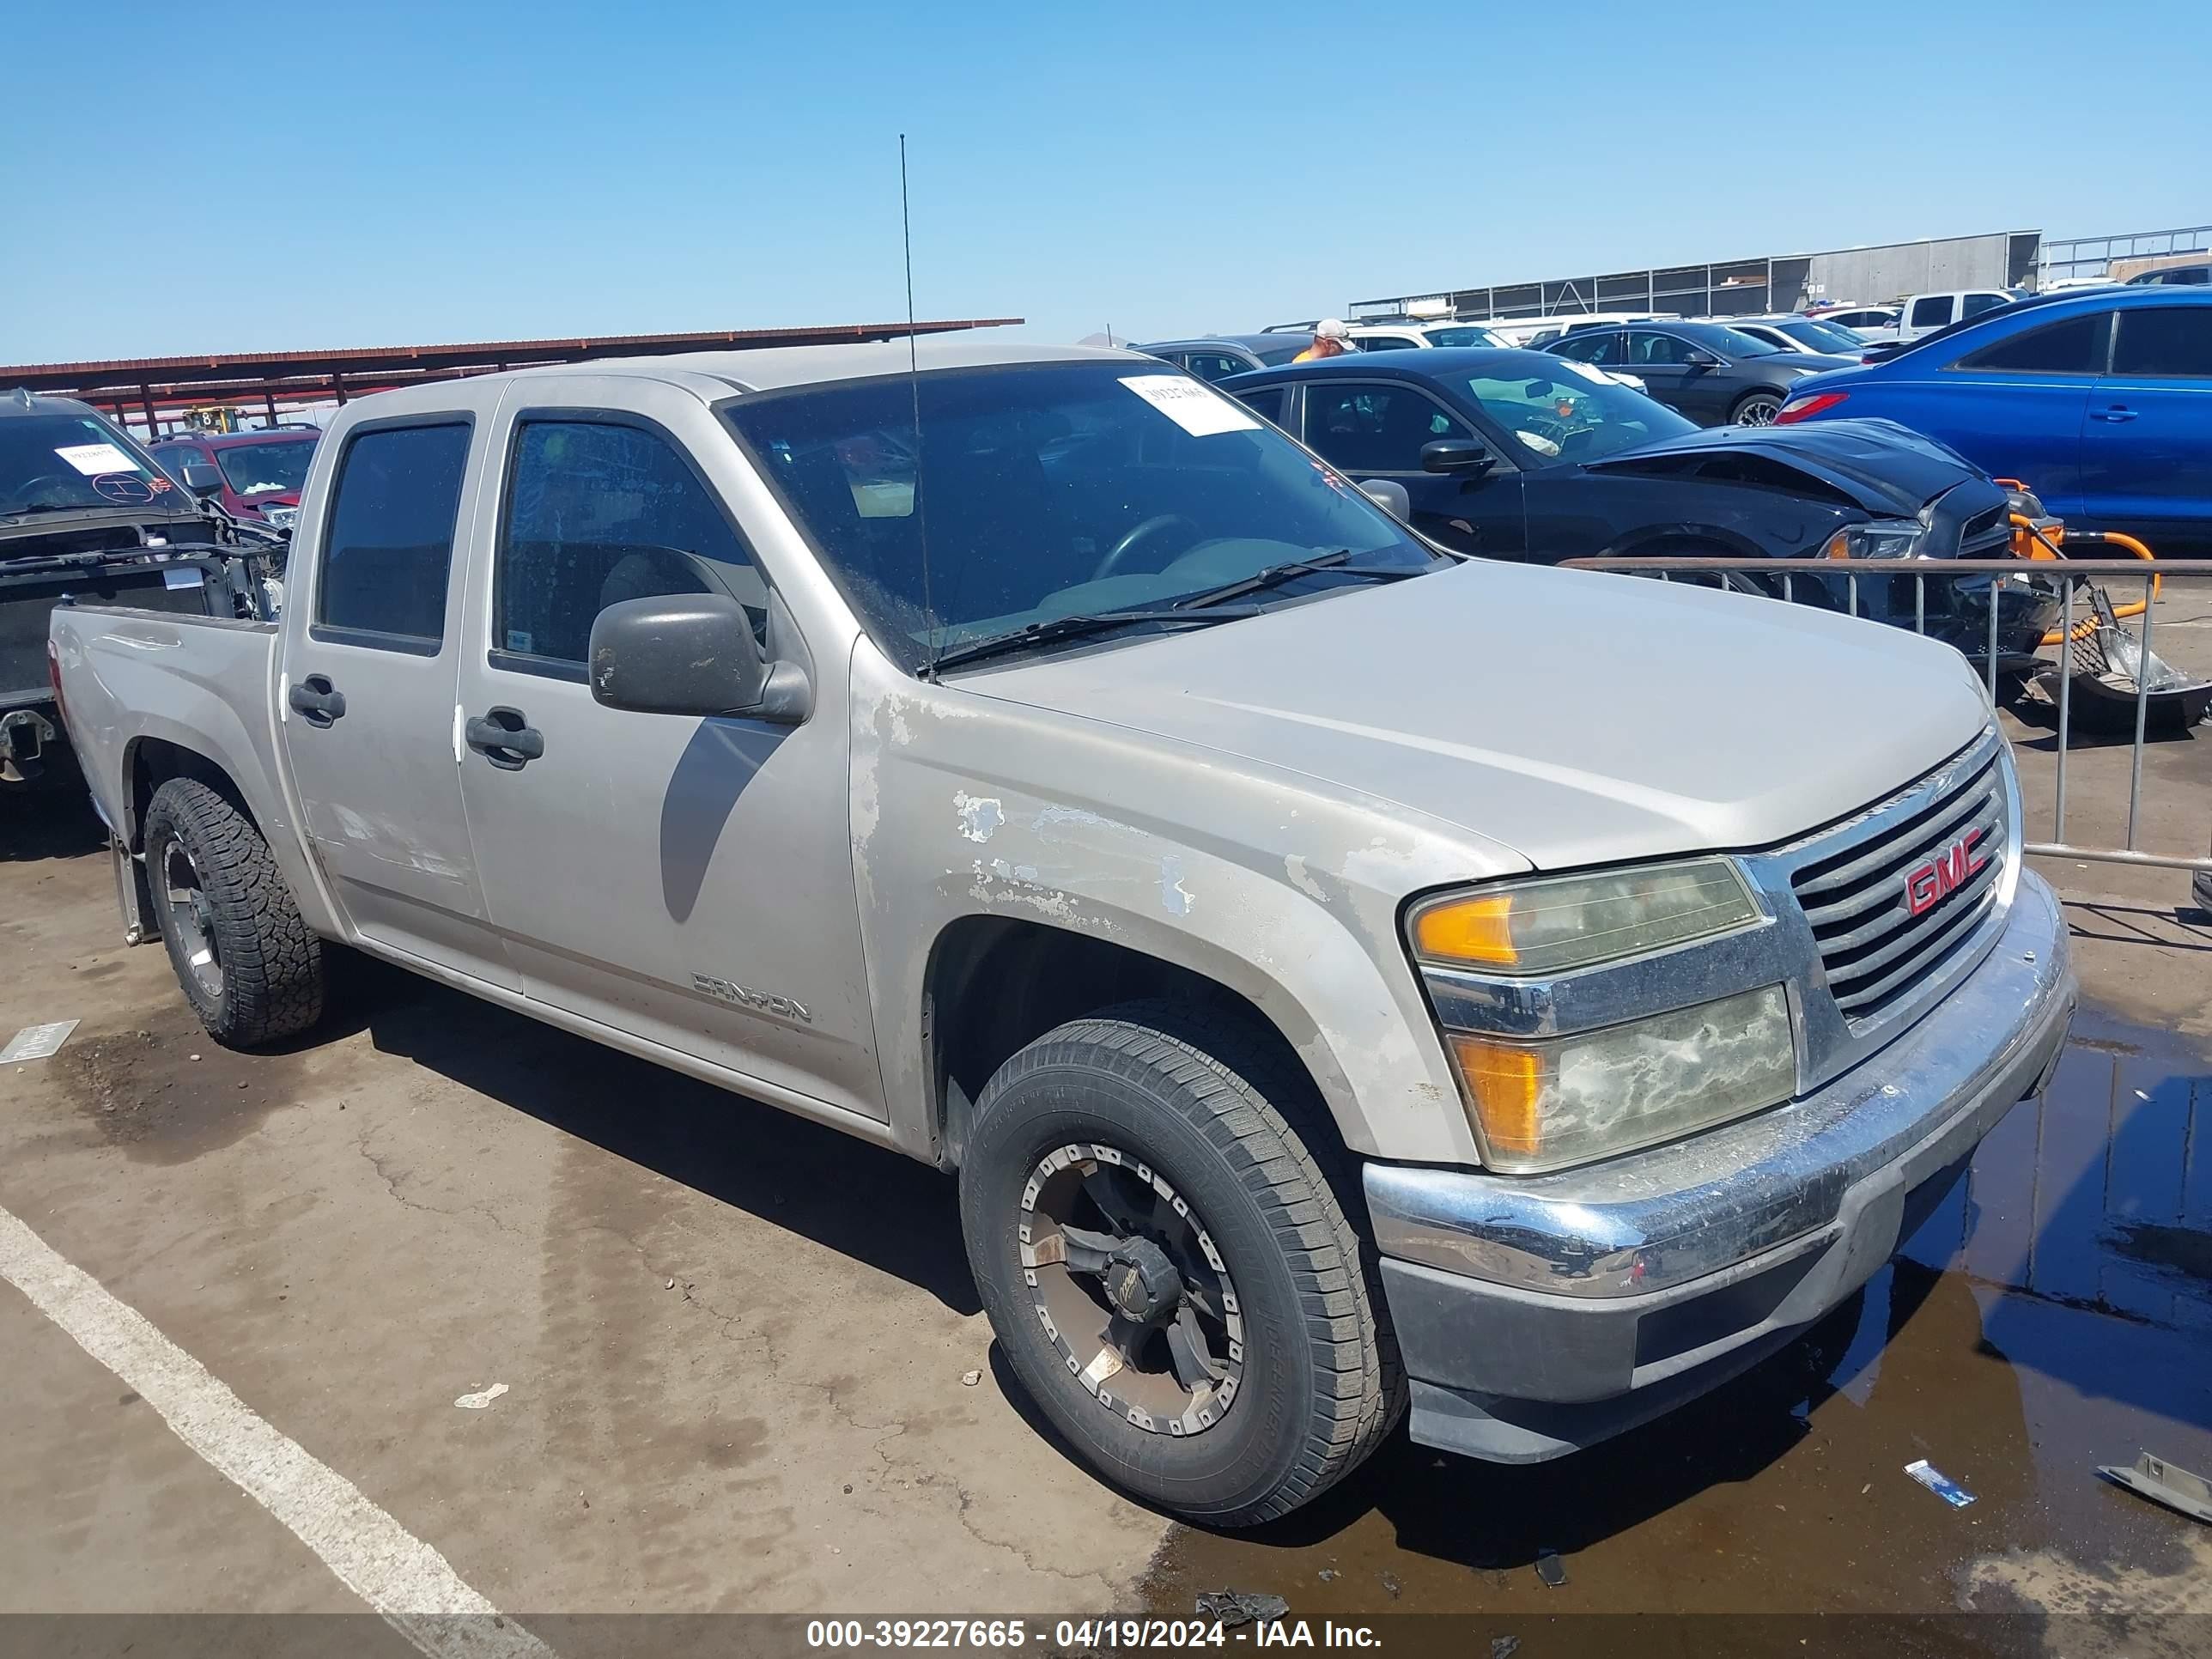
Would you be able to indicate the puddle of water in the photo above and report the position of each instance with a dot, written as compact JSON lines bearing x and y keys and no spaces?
{"x":2054,"y":1312}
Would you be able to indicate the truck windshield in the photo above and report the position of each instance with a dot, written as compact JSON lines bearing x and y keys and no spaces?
{"x":1048,"y":490}
{"x":63,"y":463}
{"x":261,"y":469}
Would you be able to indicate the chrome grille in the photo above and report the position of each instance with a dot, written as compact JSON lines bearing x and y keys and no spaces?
{"x":1874,"y":950}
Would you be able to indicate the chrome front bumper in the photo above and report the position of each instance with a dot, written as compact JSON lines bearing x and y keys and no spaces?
{"x":1538,"y":1313}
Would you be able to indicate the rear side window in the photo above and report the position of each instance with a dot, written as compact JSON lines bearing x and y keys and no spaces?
{"x":2165,"y":343}
{"x":1267,"y":402}
{"x":1933,"y":312}
{"x":1385,"y":343}
{"x":598,"y":512}
{"x":1214,"y":365}
{"x":1976,"y":304}
{"x":390,"y":538}
{"x":2076,"y":346}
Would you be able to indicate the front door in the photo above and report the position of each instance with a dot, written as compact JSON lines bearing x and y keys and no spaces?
{"x":366,"y":706}
{"x":1661,"y":361}
{"x":688,"y":881}
{"x":2147,"y":445}
{"x":1375,"y":429}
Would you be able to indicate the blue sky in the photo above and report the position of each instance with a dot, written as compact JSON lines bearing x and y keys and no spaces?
{"x":435,"y":172}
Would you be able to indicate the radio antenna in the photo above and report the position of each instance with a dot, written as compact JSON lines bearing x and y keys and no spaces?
{"x":914,"y":385}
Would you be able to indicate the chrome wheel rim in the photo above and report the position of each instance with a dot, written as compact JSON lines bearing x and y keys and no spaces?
{"x":1129,"y":1287}
{"x":192,"y":917}
{"x":1759,"y":411}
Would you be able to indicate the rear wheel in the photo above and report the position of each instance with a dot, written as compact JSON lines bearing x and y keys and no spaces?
{"x":1756,"y":409}
{"x":1170,"y":1273}
{"x":248,"y":964}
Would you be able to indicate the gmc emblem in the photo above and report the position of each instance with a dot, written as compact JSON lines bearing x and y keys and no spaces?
{"x":1950,"y":869}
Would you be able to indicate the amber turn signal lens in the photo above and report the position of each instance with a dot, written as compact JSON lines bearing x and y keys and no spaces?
{"x":1506,"y":1085}
{"x":1474,"y":930}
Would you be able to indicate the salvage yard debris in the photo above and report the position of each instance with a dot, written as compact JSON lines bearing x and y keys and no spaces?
{"x":2162,"y":1483}
{"x":1939,"y":1482}
{"x":477,"y":1402}
{"x":37,"y":1041}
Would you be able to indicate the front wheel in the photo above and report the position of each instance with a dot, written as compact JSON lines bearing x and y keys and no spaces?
{"x":1756,"y":409}
{"x":1172,"y":1277}
{"x":248,"y":964}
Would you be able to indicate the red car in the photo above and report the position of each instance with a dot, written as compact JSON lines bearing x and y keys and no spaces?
{"x":258,"y":474}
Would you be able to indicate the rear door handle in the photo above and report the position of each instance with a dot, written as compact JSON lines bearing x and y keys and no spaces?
{"x":2116,"y":414}
{"x":314,"y":701}
{"x":505,"y":738}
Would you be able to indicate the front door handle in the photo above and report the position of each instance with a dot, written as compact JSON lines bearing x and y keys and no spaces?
{"x":505,"y":738}
{"x":314,"y":701}
{"x":2116,"y":414}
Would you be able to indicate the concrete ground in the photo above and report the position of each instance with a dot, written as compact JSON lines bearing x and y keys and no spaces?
{"x":734,"y":1344}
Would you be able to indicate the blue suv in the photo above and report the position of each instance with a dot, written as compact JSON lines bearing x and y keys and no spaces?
{"x":2100,"y":401}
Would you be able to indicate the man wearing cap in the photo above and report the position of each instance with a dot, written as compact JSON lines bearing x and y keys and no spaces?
{"x":1331,"y":339}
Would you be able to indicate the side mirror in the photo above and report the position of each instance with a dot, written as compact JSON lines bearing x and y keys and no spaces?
{"x":690,"y":653}
{"x":1390,"y":495}
{"x":1455,"y":455}
{"x":1698,"y":359}
{"x":202,"y":480}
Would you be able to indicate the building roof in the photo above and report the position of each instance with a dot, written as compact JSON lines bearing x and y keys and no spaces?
{"x":226,"y":377}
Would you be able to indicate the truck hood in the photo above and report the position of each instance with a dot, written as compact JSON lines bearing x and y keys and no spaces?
{"x":1888,"y":470}
{"x":1576,"y":718}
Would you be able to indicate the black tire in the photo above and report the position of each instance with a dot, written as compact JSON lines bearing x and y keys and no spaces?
{"x":1197,"y":1097}
{"x":269,"y":974}
{"x":1757,"y":407}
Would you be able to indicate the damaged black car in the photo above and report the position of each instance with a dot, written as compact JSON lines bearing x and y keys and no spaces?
{"x":1528,"y":456}
{"x":86,"y":514}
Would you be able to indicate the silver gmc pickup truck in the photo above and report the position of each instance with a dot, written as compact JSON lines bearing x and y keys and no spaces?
{"x":1347,"y":978}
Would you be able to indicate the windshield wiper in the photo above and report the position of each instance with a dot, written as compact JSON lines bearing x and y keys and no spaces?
{"x":1071,"y":627}
{"x":1276,"y":575}
{"x":52,"y":506}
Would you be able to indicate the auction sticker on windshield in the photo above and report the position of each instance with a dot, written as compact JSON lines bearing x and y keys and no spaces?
{"x":1198,"y":412}
{"x":93,"y":460}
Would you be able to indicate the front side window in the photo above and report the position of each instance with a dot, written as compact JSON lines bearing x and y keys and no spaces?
{"x":1385,"y":343}
{"x":2075,"y":346}
{"x":1375,"y":428}
{"x":1042,"y":491}
{"x":1931,"y":311}
{"x":63,"y":463}
{"x":267,"y":469}
{"x":1656,"y":350}
{"x":390,"y":543}
{"x":598,"y":512}
{"x":2165,"y":343}
{"x":1576,"y":414}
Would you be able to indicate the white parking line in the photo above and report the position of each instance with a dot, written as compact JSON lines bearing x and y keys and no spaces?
{"x":398,"y":1575}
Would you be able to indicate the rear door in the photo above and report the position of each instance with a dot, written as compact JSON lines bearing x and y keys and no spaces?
{"x":2014,"y":408}
{"x":2146,"y":446}
{"x":687,"y":880}
{"x":366,"y":706}
{"x":1375,"y":429}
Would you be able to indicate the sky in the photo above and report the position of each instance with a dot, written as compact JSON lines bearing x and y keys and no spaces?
{"x":252,"y":177}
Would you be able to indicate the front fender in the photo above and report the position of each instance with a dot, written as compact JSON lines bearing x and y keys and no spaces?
{"x":1273,"y":885}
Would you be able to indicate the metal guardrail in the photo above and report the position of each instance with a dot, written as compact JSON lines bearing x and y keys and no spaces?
{"x":2122,"y":573}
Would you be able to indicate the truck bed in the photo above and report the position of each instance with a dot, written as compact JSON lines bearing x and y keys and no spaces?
{"x":204,"y":683}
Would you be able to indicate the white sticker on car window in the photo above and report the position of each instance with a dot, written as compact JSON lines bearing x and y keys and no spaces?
{"x":1587,"y":372}
{"x":93,"y":460}
{"x":1191,"y":405}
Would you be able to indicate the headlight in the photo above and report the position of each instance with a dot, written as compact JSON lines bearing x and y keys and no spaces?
{"x":1540,"y":1105}
{"x":1877,"y":539}
{"x":1507,"y":966}
{"x":1550,"y":924}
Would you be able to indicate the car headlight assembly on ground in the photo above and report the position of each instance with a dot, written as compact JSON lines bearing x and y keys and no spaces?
{"x":1516,"y":971}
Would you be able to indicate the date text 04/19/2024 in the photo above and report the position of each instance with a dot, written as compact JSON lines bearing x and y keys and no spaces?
{"x":1081,"y":1635}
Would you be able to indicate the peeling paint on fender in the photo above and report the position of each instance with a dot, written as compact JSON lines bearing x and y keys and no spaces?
{"x":1294,"y":866}
{"x":980,"y":815}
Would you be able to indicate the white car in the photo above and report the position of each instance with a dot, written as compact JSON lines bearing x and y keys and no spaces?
{"x":1404,"y":336}
{"x":1861,"y":320}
